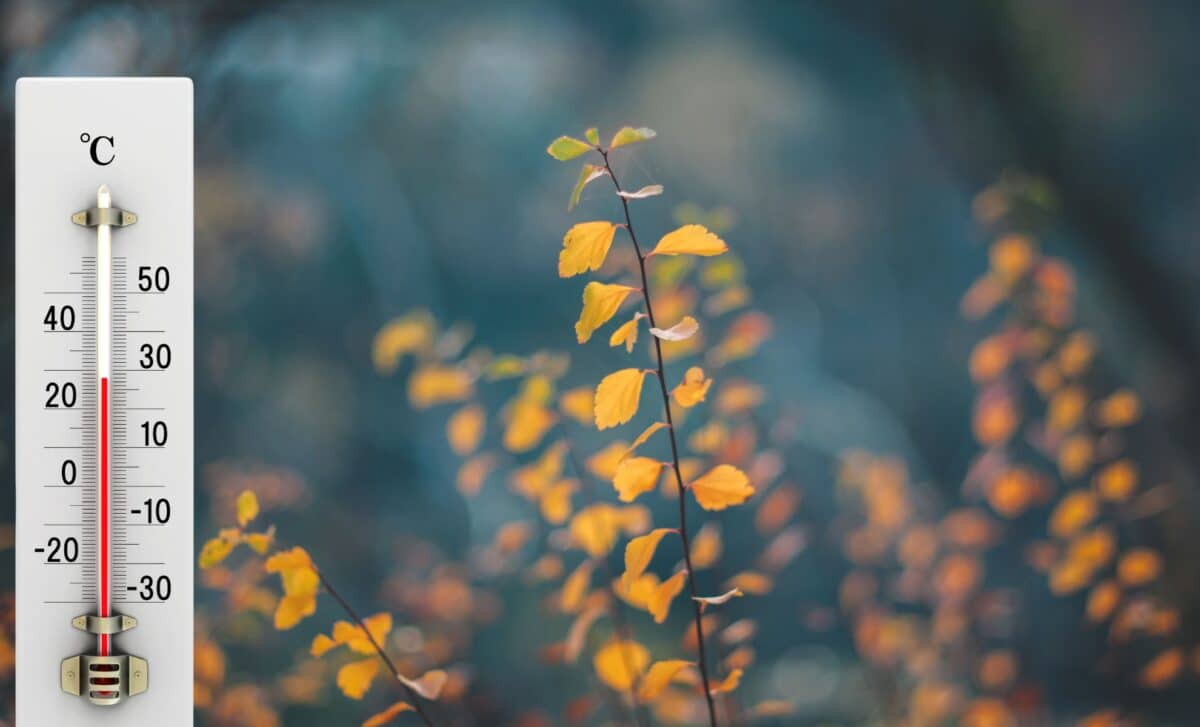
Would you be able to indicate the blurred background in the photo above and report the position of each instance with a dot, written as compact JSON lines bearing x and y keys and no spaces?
{"x":359,"y":160}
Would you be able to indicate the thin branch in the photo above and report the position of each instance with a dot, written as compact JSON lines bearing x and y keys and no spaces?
{"x":682,"y":488}
{"x":413,"y":697}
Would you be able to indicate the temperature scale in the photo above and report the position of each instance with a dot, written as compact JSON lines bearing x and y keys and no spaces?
{"x":104,"y":369}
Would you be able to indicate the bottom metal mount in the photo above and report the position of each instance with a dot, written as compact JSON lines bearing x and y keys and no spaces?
{"x":105,"y":680}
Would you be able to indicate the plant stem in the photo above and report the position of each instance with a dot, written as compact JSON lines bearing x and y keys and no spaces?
{"x":413,"y":697}
{"x":682,"y":488}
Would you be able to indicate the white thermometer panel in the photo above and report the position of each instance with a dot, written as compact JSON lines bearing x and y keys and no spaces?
{"x":104,"y":403}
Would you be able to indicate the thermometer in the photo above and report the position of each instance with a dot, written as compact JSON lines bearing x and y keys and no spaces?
{"x":104,"y":403}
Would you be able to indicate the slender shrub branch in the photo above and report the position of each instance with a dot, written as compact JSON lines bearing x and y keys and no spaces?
{"x":413,"y":698}
{"x":682,"y":488}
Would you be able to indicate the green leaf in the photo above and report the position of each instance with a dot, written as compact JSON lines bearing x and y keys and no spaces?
{"x":630,"y":135}
{"x":565,"y":148}
{"x":593,"y":136}
{"x":586,"y":175}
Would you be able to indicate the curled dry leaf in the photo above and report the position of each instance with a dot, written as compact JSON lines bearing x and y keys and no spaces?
{"x":650,"y":190}
{"x":681,"y":331}
{"x":718,"y":600}
{"x":429,"y":685}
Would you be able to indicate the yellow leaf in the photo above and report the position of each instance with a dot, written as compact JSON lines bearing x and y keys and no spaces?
{"x":626,"y":333}
{"x":603,"y":464}
{"x":690,"y":240}
{"x":637,"y":592}
{"x":437,"y":384}
{"x":1139,"y":566}
{"x":465,"y":429}
{"x":620,"y":663}
{"x":566,"y":148}
{"x":645,"y":436}
{"x":215,"y":551}
{"x":600,"y":303}
{"x":584,"y":247}
{"x":1074,"y":511}
{"x":292,"y":610}
{"x":730,"y":683}
{"x":429,"y":684}
{"x":706,"y":546}
{"x":595,"y":529}
{"x":528,"y":422}
{"x":617,"y":397}
{"x":576,"y":587}
{"x":640,"y":551}
{"x":630,"y":135}
{"x":659,"y":604}
{"x":286,"y":560}
{"x":681,"y":331}
{"x":354,"y":679}
{"x":635,"y":476}
{"x":718,"y":600}
{"x":260,"y":542}
{"x":378,"y":626}
{"x":693,"y":389}
{"x":411,"y":333}
{"x":533,"y":479}
{"x":588,"y":174}
{"x":593,"y":136}
{"x":247,"y":508}
{"x":387,"y":715}
{"x":322,"y":645}
{"x":555,"y":502}
{"x":577,"y":403}
{"x":658,"y":678}
{"x":721,"y":487}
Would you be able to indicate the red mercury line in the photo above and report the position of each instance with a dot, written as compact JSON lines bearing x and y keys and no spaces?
{"x":103,"y":370}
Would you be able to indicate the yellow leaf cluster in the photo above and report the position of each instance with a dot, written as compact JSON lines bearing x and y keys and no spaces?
{"x":600,"y":303}
{"x":619,"y":663}
{"x":300,"y":585}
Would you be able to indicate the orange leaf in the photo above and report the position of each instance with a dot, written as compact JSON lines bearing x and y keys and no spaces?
{"x":659,"y":604}
{"x":585,"y":246}
{"x":388,"y":714}
{"x":636,"y":476}
{"x":578,"y":404}
{"x":464,"y":430}
{"x":595,"y":529}
{"x":721,"y":487}
{"x":730,"y":683}
{"x":1073,"y":512}
{"x":619,"y":663}
{"x":690,"y":240}
{"x":693,"y":389}
{"x":640,"y":551}
{"x":659,"y":676}
{"x":576,"y":587}
{"x":354,"y":679}
{"x":437,"y":384}
{"x":645,"y":436}
{"x":600,"y":303}
{"x":617,"y":397}
{"x":322,"y":645}
{"x":706,"y":546}
{"x":754,"y":583}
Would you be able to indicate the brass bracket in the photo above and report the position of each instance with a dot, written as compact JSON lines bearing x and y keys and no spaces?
{"x":96,"y":216}
{"x":100,"y":625}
